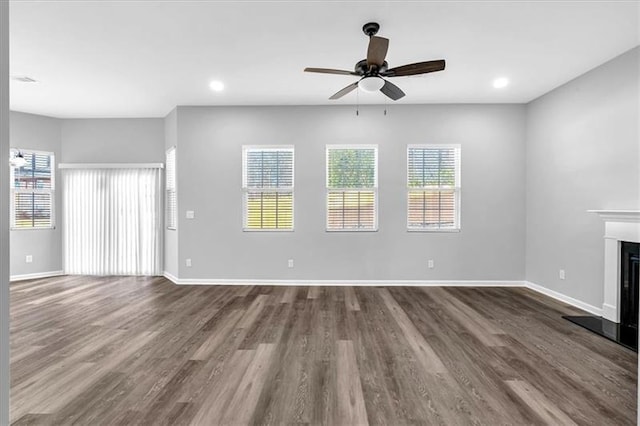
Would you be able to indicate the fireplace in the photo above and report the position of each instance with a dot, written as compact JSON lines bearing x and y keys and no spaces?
{"x":629,"y":262}
{"x":619,"y":320}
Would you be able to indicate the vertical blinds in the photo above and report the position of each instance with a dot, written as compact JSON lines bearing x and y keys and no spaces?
{"x":267,"y":182}
{"x":171,"y":199}
{"x":352,"y":191}
{"x":112,"y":221}
{"x":32,"y":188}
{"x":433,"y":187}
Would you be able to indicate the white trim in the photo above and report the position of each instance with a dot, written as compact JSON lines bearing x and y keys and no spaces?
{"x":171,"y":277}
{"x":173,"y":190}
{"x":456,"y":188}
{"x":609,"y":311}
{"x":618,"y":215}
{"x":620,"y":225}
{"x":408,"y":283}
{"x":436,"y":230}
{"x":374,"y":188}
{"x":111,"y":166}
{"x":36,"y":275}
{"x":48,"y":191}
{"x":34,"y":151}
{"x":363,"y":283}
{"x":246,"y":191}
{"x":563,"y":298}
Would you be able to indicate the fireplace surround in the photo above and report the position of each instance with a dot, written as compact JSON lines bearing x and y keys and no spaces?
{"x":620,"y":226}
{"x":619,"y":321}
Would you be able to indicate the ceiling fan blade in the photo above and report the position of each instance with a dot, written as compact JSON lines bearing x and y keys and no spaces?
{"x":377,"y":51}
{"x":417,"y":68}
{"x":344,"y":91}
{"x":329,"y":71}
{"x":392,"y":91}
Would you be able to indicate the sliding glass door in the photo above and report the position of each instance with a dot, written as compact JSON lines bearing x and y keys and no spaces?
{"x":112,"y":221}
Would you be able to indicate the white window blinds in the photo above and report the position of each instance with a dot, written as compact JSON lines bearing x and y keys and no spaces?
{"x":32,"y":191}
{"x":433,"y":187}
{"x":352,"y":187}
{"x":171,"y":200}
{"x":112,"y":221}
{"x":267,"y":182}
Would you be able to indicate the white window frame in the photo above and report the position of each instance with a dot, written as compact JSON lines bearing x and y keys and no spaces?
{"x":374,"y":189}
{"x":246,"y":191}
{"x":456,"y":188}
{"x":51,"y":192}
{"x":173,"y":190}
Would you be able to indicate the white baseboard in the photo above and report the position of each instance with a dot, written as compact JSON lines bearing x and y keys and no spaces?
{"x":36,"y":275}
{"x":170,"y":277}
{"x":564,"y":298}
{"x":420,"y":283}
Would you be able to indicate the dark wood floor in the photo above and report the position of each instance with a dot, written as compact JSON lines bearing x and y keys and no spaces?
{"x":144,"y":351}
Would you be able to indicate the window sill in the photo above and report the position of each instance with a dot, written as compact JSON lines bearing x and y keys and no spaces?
{"x":38,"y":228}
{"x":266,"y":230}
{"x":435,"y":230}
{"x":351,"y":230}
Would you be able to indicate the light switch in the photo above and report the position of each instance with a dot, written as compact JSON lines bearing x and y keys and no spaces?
{"x":190,"y":214}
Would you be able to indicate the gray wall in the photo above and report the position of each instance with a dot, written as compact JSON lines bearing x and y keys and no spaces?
{"x":39,"y":133}
{"x":171,"y":235}
{"x":113,"y":140}
{"x":582,"y":153}
{"x":489,"y":247}
{"x":4,"y":213}
{"x":76,"y":141}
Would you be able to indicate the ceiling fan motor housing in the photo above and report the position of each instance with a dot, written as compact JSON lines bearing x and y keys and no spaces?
{"x":362,"y":68}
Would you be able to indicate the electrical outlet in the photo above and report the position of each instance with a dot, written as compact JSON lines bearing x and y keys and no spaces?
{"x":430,"y":264}
{"x":190,"y":214}
{"x":188,"y":263}
{"x":290,"y":263}
{"x":561,"y":274}
{"x":29,"y":258}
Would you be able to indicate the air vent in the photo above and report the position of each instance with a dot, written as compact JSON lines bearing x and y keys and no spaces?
{"x":23,"y":79}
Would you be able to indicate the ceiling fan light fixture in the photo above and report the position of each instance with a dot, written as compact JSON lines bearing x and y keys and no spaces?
{"x":371,"y":84}
{"x":18,"y":160}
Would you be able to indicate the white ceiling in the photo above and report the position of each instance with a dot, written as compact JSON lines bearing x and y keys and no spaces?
{"x":142,"y":58}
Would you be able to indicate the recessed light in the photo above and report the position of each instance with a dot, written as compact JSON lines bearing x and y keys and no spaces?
{"x":500,"y":82}
{"x":216,"y":86}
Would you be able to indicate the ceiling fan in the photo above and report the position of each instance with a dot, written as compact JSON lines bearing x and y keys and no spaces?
{"x":374,"y":68}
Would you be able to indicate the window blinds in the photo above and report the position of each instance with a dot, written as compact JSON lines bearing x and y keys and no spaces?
{"x":352,"y":187}
{"x":267,"y":182}
{"x":171,"y":199}
{"x":433,"y":187}
{"x":112,"y":221}
{"x":32,"y":189}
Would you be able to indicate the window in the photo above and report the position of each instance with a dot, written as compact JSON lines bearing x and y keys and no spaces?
{"x":433,"y":187}
{"x":32,"y":189}
{"x":267,"y":183}
{"x":171,"y":200}
{"x":352,"y":187}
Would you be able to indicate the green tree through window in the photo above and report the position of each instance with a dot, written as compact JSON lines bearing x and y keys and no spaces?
{"x":352,"y":187}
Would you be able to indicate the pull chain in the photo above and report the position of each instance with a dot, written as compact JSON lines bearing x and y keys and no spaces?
{"x":357,"y":101}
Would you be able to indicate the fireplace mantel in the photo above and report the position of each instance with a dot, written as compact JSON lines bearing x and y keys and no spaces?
{"x":620,"y":225}
{"x":618,"y":215}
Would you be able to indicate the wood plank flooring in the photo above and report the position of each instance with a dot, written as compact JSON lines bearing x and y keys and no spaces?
{"x":134,"y":350}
